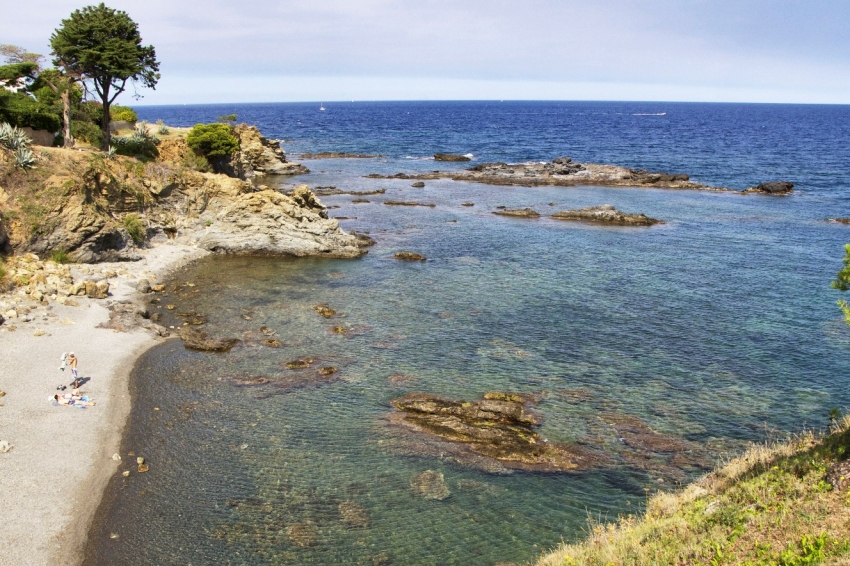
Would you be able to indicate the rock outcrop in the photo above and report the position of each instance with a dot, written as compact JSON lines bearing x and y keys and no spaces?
{"x":606,"y":214}
{"x":839,"y":220}
{"x":450,"y":157}
{"x":518,"y":213}
{"x":409,"y":256}
{"x":258,"y":156}
{"x":562,"y":171}
{"x":499,"y":427}
{"x":773,"y":188}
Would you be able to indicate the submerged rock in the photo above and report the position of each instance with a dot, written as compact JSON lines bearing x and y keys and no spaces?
{"x":300,"y":364}
{"x":430,"y":485}
{"x":197,"y":340}
{"x":606,"y":214}
{"x":325,"y":311}
{"x":193,"y":318}
{"x":499,"y":427}
{"x":518,"y":213}
{"x":353,"y":514}
{"x":409,"y":256}
{"x":303,"y":534}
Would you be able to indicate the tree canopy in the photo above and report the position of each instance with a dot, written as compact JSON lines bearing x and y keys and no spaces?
{"x":104,"y":48}
{"x":842,"y":282}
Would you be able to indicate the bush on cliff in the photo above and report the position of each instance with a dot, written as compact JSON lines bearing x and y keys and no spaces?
{"x":88,"y":132}
{"x":141,"y":143}
{"x":212,"y":140}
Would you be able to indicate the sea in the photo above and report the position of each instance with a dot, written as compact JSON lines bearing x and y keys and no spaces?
{"x":718,"y":328}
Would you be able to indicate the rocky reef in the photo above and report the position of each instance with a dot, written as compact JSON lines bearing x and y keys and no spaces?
{"x":499,"y":426}
{"x":562,"y":171}
{"x":606,"y":214}
{"x":518,"y":213}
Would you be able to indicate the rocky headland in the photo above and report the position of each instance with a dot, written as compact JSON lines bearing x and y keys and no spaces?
{"x":564,"y":172}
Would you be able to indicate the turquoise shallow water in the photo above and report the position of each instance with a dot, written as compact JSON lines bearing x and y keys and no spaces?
{"x":718,"y":327}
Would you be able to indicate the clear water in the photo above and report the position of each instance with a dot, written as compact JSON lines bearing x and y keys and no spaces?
{"x":718,"y":327}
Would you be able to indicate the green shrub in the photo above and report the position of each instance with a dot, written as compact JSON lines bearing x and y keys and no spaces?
{"x":122,"y":114}
{"x":212,"y":140}
{"x":21,"y":110}
{"x":88,"y":111}
{"x":88,"y":132}
{"x":227,"y":118}
{"x":162,"y":129}
{"x":60,"y":256}
{"x":133,"y":224}
{"x":141,"y":143}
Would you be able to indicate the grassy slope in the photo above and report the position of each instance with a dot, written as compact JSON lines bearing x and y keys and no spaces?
{"x":771,"y":506}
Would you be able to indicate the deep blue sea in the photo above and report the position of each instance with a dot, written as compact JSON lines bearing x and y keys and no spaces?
{"x":718,"y":327}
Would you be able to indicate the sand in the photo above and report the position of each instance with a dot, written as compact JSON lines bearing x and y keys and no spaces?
{"x":52,"y":480}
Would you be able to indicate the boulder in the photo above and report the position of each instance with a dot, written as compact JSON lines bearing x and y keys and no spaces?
{"x":143,"y":286}
{"x":97,"y":289}
{"x":450,"y":157}
{"x":259,"y":156}
{"x":606,"y":214}
{"x":418,"y":185}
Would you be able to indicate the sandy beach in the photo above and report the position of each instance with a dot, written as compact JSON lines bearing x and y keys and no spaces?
{"x":52,"y":479}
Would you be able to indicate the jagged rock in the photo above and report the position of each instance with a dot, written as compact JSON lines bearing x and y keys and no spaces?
{"x":97,"y":289}
{"x":499,"y":427}
{"x":260,"y":156}
{"x":363,"y":240}
{"x":409,"y":256}
{"x":197,"y":340}
{"x":450,"y":157}
{"x":518,"y":213}
{"x":430,"y":485}
{"x":773,"y":188}
{"x":606,"y":214}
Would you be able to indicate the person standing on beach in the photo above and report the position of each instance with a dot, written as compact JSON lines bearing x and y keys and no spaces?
{"x":72,"y":361}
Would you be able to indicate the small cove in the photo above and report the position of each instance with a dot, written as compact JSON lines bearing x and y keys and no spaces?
{"x":717,"y":327}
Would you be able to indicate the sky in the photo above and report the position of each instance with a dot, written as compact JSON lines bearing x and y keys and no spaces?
{"x":217,"y":51}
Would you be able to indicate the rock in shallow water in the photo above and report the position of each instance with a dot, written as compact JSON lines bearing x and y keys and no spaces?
{"x":430,"y":485}
{"x":606,"y":214}
{"x":409,"y":256}
{"x":197,"y":340}
{"x":518,"y":213}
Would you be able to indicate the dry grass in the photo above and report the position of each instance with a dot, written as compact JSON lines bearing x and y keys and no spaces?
{"x":770,"y":506}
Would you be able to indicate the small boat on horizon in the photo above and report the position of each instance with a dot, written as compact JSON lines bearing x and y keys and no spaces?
{"x":321,"y":106}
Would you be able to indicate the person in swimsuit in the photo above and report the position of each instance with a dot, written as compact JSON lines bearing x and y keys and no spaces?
{"x":72,"y":361}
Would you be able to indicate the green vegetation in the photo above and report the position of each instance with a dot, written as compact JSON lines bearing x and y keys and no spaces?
{"x":133,"y":224}
{"x":842,"y":282}
{"x":103,"y":47}
{"x":122,"y":113}
{"x":772,"y":506}
{"x":227,"y":118}
{"x":16,"y":141}
{"x":141,"y":143}
{"x":212,"y":140}
{"x":88,"y":132}
{"x":162,"y":129}
{"x":60,"y":256}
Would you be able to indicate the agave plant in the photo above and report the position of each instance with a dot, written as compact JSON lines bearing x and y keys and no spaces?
{"x":13,"y":138}
{"x":111,"y":152}
{"x":24,"y":158}
{"x":163,"y":129}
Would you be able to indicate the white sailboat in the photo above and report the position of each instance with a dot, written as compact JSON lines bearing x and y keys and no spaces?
{"x":321,"y":106}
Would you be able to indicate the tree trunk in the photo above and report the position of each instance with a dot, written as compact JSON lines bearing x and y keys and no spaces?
{"x":66,"y":117}
{"x":105,"y":125}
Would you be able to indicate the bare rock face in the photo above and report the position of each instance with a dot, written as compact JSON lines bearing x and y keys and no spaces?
{"x":606,"y":214}
{"x":259,"y":156}
{"x":498,"y":427}
{"x":773,"y":188}
{"x":518,"y":213}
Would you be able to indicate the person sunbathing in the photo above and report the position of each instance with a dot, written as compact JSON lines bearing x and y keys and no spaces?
{"x":74,"y":399}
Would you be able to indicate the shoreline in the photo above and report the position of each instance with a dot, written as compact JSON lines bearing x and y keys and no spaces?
{"x":47,"y":515}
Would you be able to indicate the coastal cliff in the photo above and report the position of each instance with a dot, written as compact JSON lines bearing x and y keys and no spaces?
{"x":93,"y":208}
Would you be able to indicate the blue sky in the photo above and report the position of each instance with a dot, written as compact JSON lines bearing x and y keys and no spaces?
{"x":264,"y":50}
